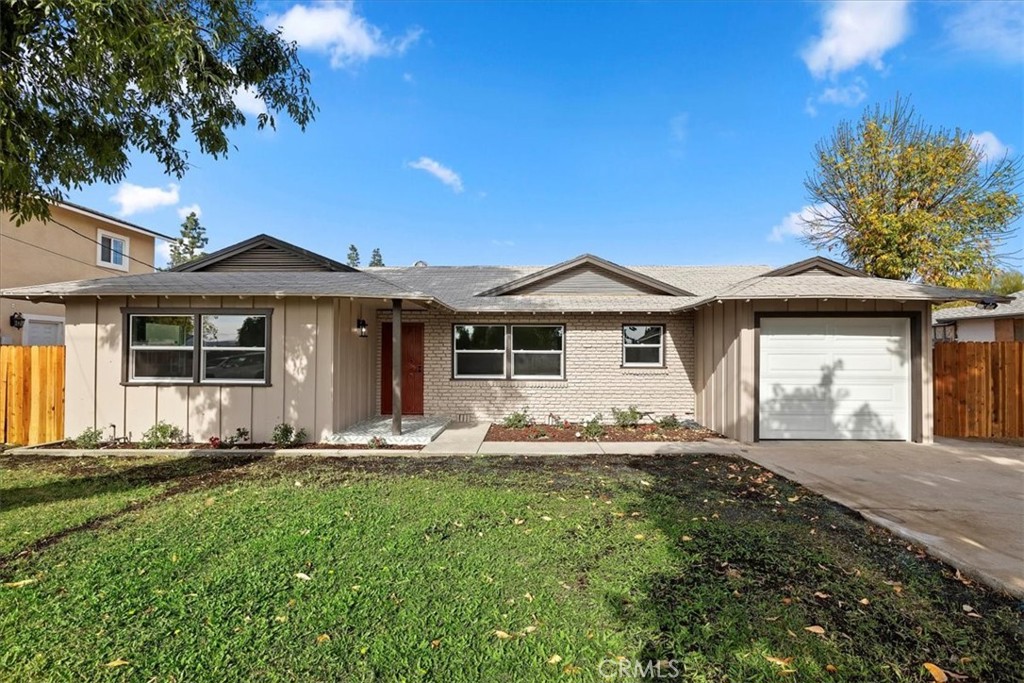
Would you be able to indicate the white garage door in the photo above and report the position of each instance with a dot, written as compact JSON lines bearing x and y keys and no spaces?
{"x":835,"y":378}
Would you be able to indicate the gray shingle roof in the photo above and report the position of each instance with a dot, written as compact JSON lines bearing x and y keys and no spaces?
{"x":1010,"y":310}
{"x":254,"y":283}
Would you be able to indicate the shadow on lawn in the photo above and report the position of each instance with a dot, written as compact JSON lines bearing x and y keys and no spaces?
{"x":747,"y":574}
{"x":184,"y":473}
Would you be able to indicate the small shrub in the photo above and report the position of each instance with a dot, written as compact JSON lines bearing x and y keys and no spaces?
{"x":241,"y":435}
{"x":519,"y":419}
{"x":670,"y":422}
{"x":630,"y":417}
{"x":592,"y":428}
{"x":300,"y":436}
{"x":90,"y":437}
{"x":162,"y":435}
{"x":376,"y":442}
{"x":284,"y":435}
{"x":215,"y":442}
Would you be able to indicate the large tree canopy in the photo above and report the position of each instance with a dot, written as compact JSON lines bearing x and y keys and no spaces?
{"x":83,"y":82}
{"x":901,"y":200}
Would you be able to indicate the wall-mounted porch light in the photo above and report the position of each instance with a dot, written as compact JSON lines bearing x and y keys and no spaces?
{"x":17,"y":320}
{"x":361,"y":326}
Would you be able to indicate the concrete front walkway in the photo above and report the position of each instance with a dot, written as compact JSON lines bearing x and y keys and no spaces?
{"x":963,"y":502}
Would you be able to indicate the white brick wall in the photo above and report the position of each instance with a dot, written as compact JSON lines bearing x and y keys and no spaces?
{"x":595,"y":380}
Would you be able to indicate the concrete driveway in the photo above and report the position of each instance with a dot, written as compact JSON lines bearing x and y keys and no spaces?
{"x":963,"y":502}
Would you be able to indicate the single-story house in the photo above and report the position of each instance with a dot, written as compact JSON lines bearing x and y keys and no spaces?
{"x":265,"y":332}
{"x":988,"y":321}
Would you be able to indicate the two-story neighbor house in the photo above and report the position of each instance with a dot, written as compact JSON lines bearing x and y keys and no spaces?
{"x":76,"y":244}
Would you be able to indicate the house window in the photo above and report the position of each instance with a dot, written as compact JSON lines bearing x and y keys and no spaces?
{"x":480,"y":351}
{"x":112,"y":251}
{"x":944,"y":332}
{"x":234,"y":348}
{"x":643,"y":345}
{"x":230,"y":348}
{"x":538,"y":351}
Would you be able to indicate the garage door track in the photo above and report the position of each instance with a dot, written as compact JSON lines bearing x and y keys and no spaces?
{"x":962,"y":501}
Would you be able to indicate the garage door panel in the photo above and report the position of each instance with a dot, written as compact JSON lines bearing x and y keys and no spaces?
{"x":851,"y":383}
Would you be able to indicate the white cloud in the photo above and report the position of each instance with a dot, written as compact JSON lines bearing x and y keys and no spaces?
{"x":679,"y":126}
{"x":439,"y":171}
{"x":184,"y":211}
{"x":991,"y":147}
{"x":163,"y":254}
{"x":340,"y":32}
{"x":408,"y":77}
{"x":844,"y":95}
{"x":795,"y":223}
{"x":134,"y":199}
{"x":854,"y":33}
{"x":247,"y":100}
{"x":995,"y":28}
{"x":503,"y":243}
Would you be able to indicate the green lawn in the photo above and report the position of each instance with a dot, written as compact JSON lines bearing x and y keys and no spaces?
{"x":496,"y":569}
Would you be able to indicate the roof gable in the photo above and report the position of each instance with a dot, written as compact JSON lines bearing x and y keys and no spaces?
{"x":586,"y":275}
{"x":263,"y":252}
{"x":816,"y":265}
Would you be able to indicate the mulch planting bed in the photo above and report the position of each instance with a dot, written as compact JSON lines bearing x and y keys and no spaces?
{"x":562,"y":433}
{"x":119,"y":446}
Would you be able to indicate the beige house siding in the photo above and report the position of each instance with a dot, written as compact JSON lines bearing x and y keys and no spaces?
{"x":595,"y":379}
{"x":39,"y":253}
{"x":727,"y":367}
{"x":310,"y":339}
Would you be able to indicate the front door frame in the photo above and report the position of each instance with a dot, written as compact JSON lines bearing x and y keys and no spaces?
{"x":411,"y":394}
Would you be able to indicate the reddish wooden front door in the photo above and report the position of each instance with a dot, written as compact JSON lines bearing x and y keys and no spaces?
{"x":412,"y":369}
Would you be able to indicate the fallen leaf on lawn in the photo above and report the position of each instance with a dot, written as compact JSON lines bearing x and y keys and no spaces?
{"x":322,"y":638}
{"x":864,"y":601}
{"x":974,"y":615}
{"x":786,"y":601}
{"x":529,"y":597}
{"x":779,"y":660}
{"x":546,"y":518}
{"x":116,"y":663}
{"x":644,"y":483}
{"x":174,"y":558}
{"x":19,"y":584}
{"x":304,"y":532}
{"x":301,"y":576}
{"x":831,"y":669}
{"x":823,"y":596}
{"x":502,"y":635}
{"x":554,"y":659}
{"x":518,"y":521}
{"x":571,"y":670}
{"x":815,"y":629}
{"x":280,"y":618}
{"x":793,"y":499}
{"x":639,"y":537}
{"x":210,"y":501}
{"x":298,"y":483}
{"x":436,"y":643}
{"x":529,"y":629}
{"x":687,"y":539}
{"x":938,"y":675}
{"x":967,"y":608}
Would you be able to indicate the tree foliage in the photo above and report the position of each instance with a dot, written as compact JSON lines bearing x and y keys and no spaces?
{"x":376,"y":260}
{"x":353,"y":256}
{"x":901,"y":200}
{"x":1004,"y":282}
{"x":190,"y":245}
{"x":84,"y":82}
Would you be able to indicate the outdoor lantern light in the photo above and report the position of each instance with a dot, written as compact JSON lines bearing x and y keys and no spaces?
{"x":361,"y":326}
{"x":17,"y":320}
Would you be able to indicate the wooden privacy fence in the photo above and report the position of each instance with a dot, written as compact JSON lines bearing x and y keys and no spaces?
{"x":979,"y":389}
{"x":31,"y":394}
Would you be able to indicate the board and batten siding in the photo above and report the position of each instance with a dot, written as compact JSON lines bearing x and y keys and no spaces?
{"x":726,"y":370}
{"x":320,"y":371}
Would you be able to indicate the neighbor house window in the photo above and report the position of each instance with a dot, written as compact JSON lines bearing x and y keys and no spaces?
{"x":944,"y":332}
{"x":480,"y":351}
{"x":538,"y":351}
{"x":188,"y":347}
{"x":509,"y":352}
{"x":112,"y":251}
{"x":643,"y":345}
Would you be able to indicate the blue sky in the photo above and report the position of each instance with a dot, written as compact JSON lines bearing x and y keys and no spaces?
{"x":646,"y":133}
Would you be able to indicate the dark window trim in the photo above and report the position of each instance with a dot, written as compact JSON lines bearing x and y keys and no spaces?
{"x":196,"y":380}
{"x":508,"y":352}
{"x":916,"y":319}
{"x":648,"y":366}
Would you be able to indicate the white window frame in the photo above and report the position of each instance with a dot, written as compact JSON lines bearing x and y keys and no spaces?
{"x":510,"y":343}
{"x":457,"y":351}
{"x":132,"y":348}
{"x":660,"y":346}
{"x":100,"y":234}
{"x":203,"y":379}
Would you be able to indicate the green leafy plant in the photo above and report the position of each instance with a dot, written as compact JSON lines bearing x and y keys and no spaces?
{"x":91,"y":437}
{"x":161,"y":435}
{"x":630,"y":417}
{"x":519,"y":419}
{"x":285,"y":436}
{"x":376,"y":442}
{"x":592,"y":428}
{"x":670,"y":422}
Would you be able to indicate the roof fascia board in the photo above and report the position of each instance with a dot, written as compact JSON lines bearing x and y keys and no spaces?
{"x":253,"y":242}
{"x":110,"y":220}
{"x":816,"y":263}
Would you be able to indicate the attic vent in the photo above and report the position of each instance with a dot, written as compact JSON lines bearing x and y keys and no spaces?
{"x":420,"y":264}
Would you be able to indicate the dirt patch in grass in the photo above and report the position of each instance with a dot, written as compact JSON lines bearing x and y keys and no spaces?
{"x":568,"y":433}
